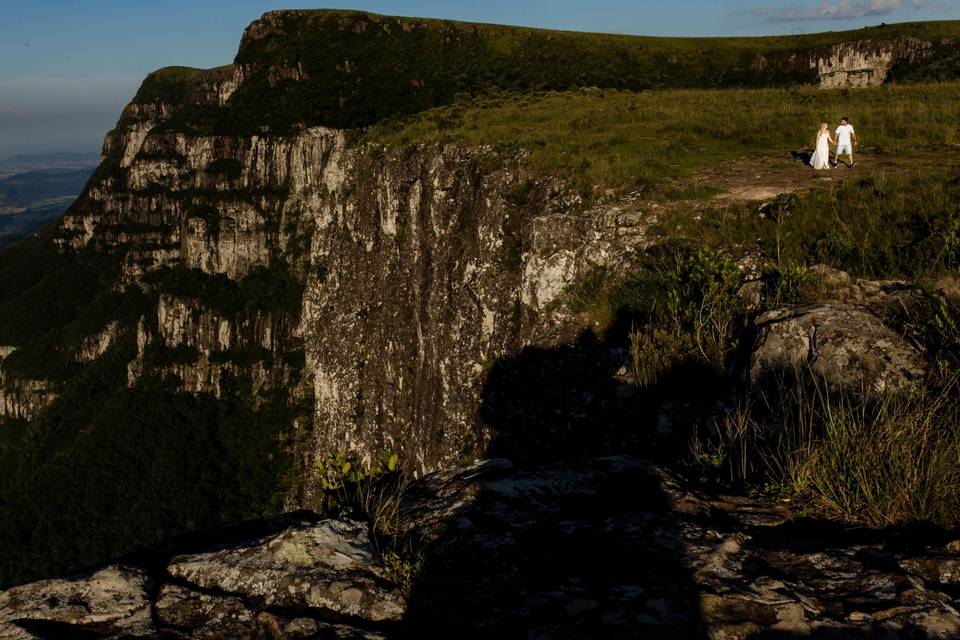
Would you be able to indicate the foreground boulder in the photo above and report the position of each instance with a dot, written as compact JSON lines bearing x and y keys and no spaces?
{"x":328,"y":566}
{"x":295,"y":576}
{"x":845,"y":345}
{"x":111,"y":602}
{"x":604,"y":548}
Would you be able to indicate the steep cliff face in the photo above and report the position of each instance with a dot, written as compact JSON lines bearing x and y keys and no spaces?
{"x":866,"y":63}
{"x":246,"y":289}
{"x":419,"y":268}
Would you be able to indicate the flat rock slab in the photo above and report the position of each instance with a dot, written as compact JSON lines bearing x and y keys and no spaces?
{"x":619,"y":548}
{"x":329,"y":566}
{"x":112,"y":601}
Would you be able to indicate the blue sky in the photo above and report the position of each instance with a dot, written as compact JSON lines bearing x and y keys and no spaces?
{"x":67,"y":67}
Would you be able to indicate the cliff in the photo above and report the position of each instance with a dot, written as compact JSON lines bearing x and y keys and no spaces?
{"x":246,"y":289}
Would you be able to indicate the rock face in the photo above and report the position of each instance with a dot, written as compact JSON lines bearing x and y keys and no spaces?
{"x":866,"y":63}
{"x":419,"y":268}
{"x":611,"y":547}
{"x":22,"y":398}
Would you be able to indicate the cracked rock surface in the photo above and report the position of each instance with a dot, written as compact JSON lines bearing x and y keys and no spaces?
{"x":610,"y":547}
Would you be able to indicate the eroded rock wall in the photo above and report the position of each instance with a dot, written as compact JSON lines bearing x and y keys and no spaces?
{"x":865,"y":63}
{"x":419,"y":268}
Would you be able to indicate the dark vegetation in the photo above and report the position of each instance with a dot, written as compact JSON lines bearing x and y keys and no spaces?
{"x":107,"y":468}
{"x":272,"y":288}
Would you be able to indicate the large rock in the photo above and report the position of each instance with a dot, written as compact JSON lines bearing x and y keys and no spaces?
{"x":111,"y":602}
{"x":329,"y":566}
{"x":843,"y":344}
{"x":865,"y":63}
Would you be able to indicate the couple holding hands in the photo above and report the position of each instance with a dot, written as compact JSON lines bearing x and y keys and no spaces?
{"x":846,"y":138}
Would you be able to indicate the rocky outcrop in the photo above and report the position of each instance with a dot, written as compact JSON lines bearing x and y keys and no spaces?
{"x":290,"y":577}
{"x":844,"y":345}
{"x":617,"y":548}
{"x":111,"y":602}
{"x":865,"y":63}
{"x":846,"y":340}
{"x":22,"y":398}
{"x":611,"y":547}
{"x":329,"y":567}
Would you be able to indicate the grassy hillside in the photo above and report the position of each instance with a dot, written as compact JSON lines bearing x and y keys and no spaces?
{"x":354,"y":69}
{"x":622,"y":139}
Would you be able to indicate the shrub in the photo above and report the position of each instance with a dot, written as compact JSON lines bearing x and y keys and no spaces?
{"x":368,"y":492}
{"x":685,"y":298}
{"x":375,"y":494}
{"x":788,"y":283}
{"x":879,"y":462}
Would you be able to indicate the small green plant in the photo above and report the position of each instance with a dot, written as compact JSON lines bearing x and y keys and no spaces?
{"x":338,"y":469}
{"x":375,"y":494}
{"x":788,"y":283}
{"x":368,"y":492}
{"x":944,"y":333}
{"x":402,"y":568}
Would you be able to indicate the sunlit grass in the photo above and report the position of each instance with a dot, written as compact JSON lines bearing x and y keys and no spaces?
{"x":623,"y":139}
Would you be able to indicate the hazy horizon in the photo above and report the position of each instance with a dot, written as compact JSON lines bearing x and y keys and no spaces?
{"x":67,"y":68}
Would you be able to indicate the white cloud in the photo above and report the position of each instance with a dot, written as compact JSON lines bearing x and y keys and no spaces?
{"x":836,"y":10}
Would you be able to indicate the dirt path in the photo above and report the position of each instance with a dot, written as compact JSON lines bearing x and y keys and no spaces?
{"x":764,"y":177}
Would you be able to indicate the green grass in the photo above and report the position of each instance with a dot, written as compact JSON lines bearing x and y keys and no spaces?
{"x":624,"y":139}
{"x":902,"y":227}
{"x":833,"y":454}
{"x":881,"y":463}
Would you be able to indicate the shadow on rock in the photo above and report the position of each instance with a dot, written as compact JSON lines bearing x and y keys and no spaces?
{"x":563,"y":540}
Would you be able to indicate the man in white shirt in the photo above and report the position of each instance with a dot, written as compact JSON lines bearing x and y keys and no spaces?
{"x":846,"y":138}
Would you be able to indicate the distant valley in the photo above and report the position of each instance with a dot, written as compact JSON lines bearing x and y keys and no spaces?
{"x":35,"y":189}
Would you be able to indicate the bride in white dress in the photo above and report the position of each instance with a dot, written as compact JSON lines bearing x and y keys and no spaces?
{"x":821,"y":157}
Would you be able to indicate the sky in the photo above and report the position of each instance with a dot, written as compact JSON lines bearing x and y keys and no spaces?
{"x":67,"y":67}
